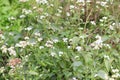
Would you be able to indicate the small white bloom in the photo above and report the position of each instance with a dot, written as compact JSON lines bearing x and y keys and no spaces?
{"x":107,"y":45}
{"x":31,"y":43}
{"x":37,"y":34}
{"x":2,"y":36}
{"x":22,"y":16}
{"x":12,"y":51}
{"x":78,"y":48}
{"x":34,"y":7}
{"x":26,"y":11}
{"x":95,"y":75}
{"x":42,"y":1}
{"x":29,"y":28}
{"x":42,"y":17}
{"x":72,"y":6}
{"x":26,"y":38}
{"x":4,"y":49}
{"x":51,"y":5}
{"x":104,"y":18}
{"x":67,"y":13}
{"x":11,"y":18}
{"x":116,"y":75}
{"x":111,"y":79}
{"x":40,"y":39}
{"x":23,"y":0}
{"x":57,"y":14}
{"x":21,"y":44}
{"x":98,"y":43}
{"x":60,"y":11}
{"x":2,"y":69}
{"x":11,"y":34}
{"x":65,"y":39}
{"x":101,"y":20}
{"x":107,"y":57}
{"x":49,"y":44}
{"x":74,"y":78}
{"x":68,"y":47}
{"x":79,"y":1}
{"x":53,"y":54}
{"x":60,"y":53}
{"x":103,"y":3}
{"x":55,"y":40}
{"x":115,"y":70}
{"x":41,"y":47}
{"x":93,"y":22}
{"x":111,"y":27}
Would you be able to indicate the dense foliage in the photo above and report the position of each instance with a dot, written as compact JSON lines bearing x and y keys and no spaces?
{"x":59,"y":40}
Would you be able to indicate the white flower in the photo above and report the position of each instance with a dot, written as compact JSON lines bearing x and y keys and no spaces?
{"x":11,"y":18}
{"x":42,"y":17}
{"x":26,"y":38}
{"x":42,"y":1}
{"x":98,"y":37}
{"x":104,"y":18}
{"x":93,"y":22}
{"x":68,"y":47}
{"x":2,"y":36}
{"x":40,"y":39}
{"x":115,"y":70}
{"x":107,"y":57}
{"x":11,"y":34}
{"x":103,"y":3}
{"x":111,"y":79}
{"x":78,"y":48}
{"x":111,"y":27}
{"x":60,"y":53}
{"x":31,"y":43}
{"x":26,"y":11}
{"x":116,"y":75}
{"x":74,"y":78}
{"x":12,"y":51}
{"x":55,"y":40}
{"x":79,"y":1}
{"x":57,"y":14}
{"x":29,"y":28}
{"x":49,"y":44}
{"x":2,"y":69}
{"x":107,"y":45}
{"x":51,"y":5}
{"x":41,"y":47}
{"x":72,"y":6}
{"x":65,"y":39}
{"x":21,"y":44}
{"x":101,"y":20}
{"x":22,"y":16}
{"x":53,"y":54}
{"x":59,"y":10}
{"x":23,"y":0}
{"x":98,"y":43}
{"x":4,"y":49}
{"x":37,"y":34}
{"x":67,"y":13}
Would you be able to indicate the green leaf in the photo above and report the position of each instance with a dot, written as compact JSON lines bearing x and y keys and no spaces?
{"x":102,"y":74}
{"x":107,"y":64}
{"x":77,"y":63}
{"x":33,"y":72}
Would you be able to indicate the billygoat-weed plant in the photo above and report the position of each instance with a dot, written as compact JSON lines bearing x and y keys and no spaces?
{"x":59,"y":40}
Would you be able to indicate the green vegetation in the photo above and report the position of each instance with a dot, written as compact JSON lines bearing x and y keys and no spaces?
{"x":59,"y":40}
